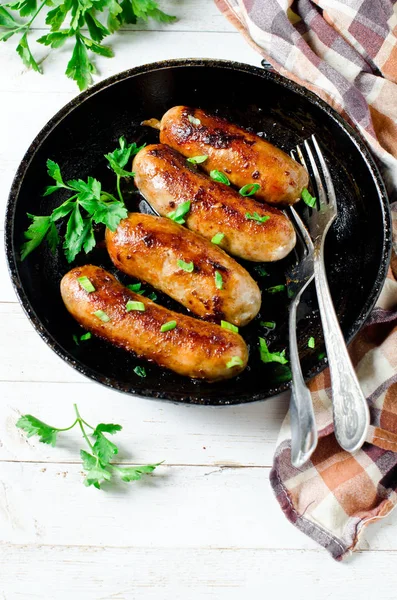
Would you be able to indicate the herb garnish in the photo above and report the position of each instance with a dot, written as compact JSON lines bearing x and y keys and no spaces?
{"x":269,"y":357}
{"x":168,"y":326}
{"x":218,"y":280}
{"x":235,"y":361}
{"x":261,"y":270}
{"x":257,"y":217}
{"x":96,"y":463}
{"x":80,"y":15}
{"x":197,"y":160}
{"x":250,"y":189}
{"x":102,"y":315}
{"x":230,"y":326}
{"x":178,"y":214}
{"x":193,"y":120}
{"x":218,"y":237}
{"x":219,"y":176}
{"x":86,"y":284}
{"x":98,"y":206}
{"x":308,"y":198}
{"x":140,"y":371}
{"x":275,"y":289}
{"x":188,"y":267}
{"x":268,"y":324}
{"x":311,"y":342}
{"x":133,"y":305}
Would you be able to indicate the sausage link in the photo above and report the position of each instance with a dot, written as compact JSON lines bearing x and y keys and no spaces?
{"x":166,"y":180}
{"x":193,"y":348}
{"x":243,"y":156}
{"x":149,"y":248}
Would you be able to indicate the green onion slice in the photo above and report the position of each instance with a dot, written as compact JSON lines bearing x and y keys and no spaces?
{"x":235,"y":361}
{"x":218,"y":237}
{"x":135,"y":287}
{"x":102,"y":315}
{"x":188,"y":267}
{"x":197,"y":160}
{"x":219,"y":176}
{"x":250,"y":189}
{"x":133,"y":305}
{"x":270,"y":357}
{"x":268,"y":324}
{"x":218,"y":280}
{"x":168,"y":326}
{"x":140,"y":371}
{"x":311,"y":342}
{"x":256,"y":217}
{"x":230,"y":326}
{"x":261,"y":270}
{"x":86,"y":336}
{"x":178,"y":214}
{"x":193,"y":120}
{"x":308,"y":198}
{"x":86,"y":284}
{"x":275,"y":289}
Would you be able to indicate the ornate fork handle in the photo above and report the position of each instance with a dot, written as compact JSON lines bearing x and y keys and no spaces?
{"x":351,"y":415}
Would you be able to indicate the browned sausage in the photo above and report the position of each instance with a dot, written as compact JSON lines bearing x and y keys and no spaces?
{"x":166,"y":180}
{"x":243,"y":156}
{"x":193,"y":348}
{"x":149,"y":248}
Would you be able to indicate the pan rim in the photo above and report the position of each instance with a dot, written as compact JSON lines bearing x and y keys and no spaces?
{"x":11,"y":254}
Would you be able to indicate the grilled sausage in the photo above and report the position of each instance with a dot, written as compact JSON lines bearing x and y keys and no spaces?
{"x":243,"y":156}
{"x":149,"y":248}
{"x":166,"y":180}
{"x":193,"y":348}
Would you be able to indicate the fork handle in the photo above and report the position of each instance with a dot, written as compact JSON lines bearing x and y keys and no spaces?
{"x":350,"y":408}
{"x":303,"y":424}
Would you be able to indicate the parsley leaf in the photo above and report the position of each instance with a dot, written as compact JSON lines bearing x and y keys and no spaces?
{"x":33,"y":426}
{"x":79,"y":67}
{"x":96,"y":463}
{"x":35,"y":234}
{"x":26,"y":55}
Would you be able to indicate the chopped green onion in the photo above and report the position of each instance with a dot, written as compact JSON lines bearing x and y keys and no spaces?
{"x":256,"y":217}
{"x":235,"y":361}
{"x":311,"y":342}
{"x":308,"y":198}
{"x":140,"y":371}
{"x":86,"y":284}
{"x":102,"y":315}
{"x":269,"y":357}
{"x":135,"y":287}
{"x":197,"y":160}
{"x":75,"y":339}
{"x":152,"y":296}
{"x":193,"y":120}
{"x":219,"y":176}
{"x":188,"y":267}
{"x":86,"y":336}
{"x":268,"y":324}
{"x":168,"y":326}
{"x":178,"y":214}
{"x":250,"y":189}
{"x":261,"y":270}
{"x":321,"y":356}
{"x":230,"y":326}
{"x":132,"y":305}
{"x":218,"y":280}
{"x":218,"y":237}
{"x":275,"y":289}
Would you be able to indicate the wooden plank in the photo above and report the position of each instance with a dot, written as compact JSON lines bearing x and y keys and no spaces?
{"x":242,"y":435}
{"x":48,"y":572}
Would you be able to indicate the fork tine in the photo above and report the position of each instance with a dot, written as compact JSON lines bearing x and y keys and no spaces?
{"x":322,"y":196}
{"x":326,"y":173}
{"x":302,"y":229}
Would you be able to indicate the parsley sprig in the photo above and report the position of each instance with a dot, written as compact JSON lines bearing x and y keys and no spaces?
{"x":96,"y":462}
{"x":97,"y":205}
{"x":81,"y":15}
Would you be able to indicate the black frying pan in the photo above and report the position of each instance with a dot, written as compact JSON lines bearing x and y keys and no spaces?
{"x":357,"y":249}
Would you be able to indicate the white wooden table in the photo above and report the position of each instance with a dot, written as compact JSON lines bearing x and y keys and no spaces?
{"x":206,"y":524}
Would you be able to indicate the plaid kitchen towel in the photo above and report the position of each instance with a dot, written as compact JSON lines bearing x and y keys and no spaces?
{"x":346,"y":52}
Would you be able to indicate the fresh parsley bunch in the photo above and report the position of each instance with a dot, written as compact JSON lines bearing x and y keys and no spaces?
{"x":87,"y":30}
{"x":97,"y":205}
{"x":96,"y":462}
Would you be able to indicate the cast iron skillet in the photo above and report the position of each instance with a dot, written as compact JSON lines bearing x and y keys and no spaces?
{"x":357,"y":250}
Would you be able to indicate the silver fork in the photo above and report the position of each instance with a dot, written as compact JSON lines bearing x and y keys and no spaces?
{"x":350,"y":409}
{"x":303,"y":424}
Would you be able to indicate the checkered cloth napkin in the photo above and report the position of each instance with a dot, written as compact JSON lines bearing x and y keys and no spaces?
{"x":346,"y":52}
